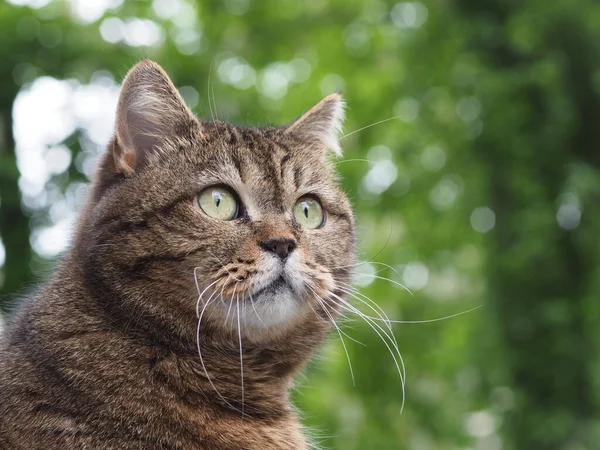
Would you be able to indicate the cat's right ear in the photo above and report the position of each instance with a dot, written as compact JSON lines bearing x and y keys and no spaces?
{"x":150,"y":113}
{"x":322,"y":124}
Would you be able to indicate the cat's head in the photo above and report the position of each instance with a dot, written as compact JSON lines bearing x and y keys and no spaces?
{"x":251,"y":219}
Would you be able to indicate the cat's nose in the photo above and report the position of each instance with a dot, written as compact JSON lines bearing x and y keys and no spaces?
{"x":281,"y":247}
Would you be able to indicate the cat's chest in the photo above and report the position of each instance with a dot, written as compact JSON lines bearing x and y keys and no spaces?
{"x":180,"y":415}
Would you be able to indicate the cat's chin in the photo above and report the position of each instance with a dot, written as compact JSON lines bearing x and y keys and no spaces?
{"x":272,"y":307}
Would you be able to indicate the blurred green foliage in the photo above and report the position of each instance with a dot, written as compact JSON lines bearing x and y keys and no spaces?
{"x":480,"y":191}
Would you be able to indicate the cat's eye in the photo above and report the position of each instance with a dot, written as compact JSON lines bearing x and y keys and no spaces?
{"x":308,"y":212}
{"x":219,"y":202}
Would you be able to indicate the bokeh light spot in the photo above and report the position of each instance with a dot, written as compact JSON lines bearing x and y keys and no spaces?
{"x":568,"y":216}
{"x":444,"y":194}
{"x":407,"y":109}
{"x":87,"y":11}
{"x":363,"y":274}
{"x":468,"y":108}
{"x":409,"y":15}
{"x":480,"y":424}
{"x":415,"y":275}
{"x":190,"y":95}
{"x":2,"y":253}
{"x":237,"y":7}
{"x":237,"y":72}
{"x":483,"y":219}
{"x":433,"y":158}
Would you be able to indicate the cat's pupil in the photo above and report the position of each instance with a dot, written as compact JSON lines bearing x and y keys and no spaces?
{"x":306,"y":212}
{"x":217,"y":198}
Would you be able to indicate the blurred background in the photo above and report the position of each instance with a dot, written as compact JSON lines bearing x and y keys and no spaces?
{"x":481,"y":189}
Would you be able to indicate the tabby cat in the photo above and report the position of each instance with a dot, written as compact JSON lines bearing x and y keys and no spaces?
{"x":204,"y":272}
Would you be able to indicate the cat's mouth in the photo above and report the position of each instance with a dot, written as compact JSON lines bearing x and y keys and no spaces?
{"x":274,"y":287}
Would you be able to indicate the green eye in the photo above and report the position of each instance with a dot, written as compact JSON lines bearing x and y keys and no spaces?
{"x":309,"y":213}
{"x":218,"y":203}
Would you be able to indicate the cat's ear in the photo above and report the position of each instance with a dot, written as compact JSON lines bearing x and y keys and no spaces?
{"x":150,"y":113}
{"x":322,"y":124}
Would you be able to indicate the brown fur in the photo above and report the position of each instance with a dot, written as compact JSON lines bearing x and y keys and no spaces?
{"x":105,"y":356}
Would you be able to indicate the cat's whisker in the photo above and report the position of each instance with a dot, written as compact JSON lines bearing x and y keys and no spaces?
{"x":320,"y":300}
{"x":198,"y":329}
{"x":212,"y":88}
{"x":401,"y":372}
{"x":254,"y":308}
{"x":314,"y":311}
{"x":349,"y":319}
{"x":377,"y":263}
{"x":322,"y":303}
{"x":202,"y":359}
{"x":354,"y":160}
{"x":362,"y":298}
{"x":379,"y":311}
{"x":241,"y":352}
{"x":344,"y":304}
{"x":397,"y":283}
{"x":368,"y":126}
{"x":230,"y":304}
{"x":381,"y":314}
{"x":200,"y":294}
{"x":341,"y":340}
{"x":362,"y":263}
{"x":212,"y":114}
{"x":216,"y":257}
{"x":371,"y":322}
{"x":439,"y":319}
{"x":353,"y":292}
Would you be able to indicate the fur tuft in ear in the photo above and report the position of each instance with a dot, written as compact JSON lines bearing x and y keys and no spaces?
{"x":150,"y":113}
{"x":322,"y":124}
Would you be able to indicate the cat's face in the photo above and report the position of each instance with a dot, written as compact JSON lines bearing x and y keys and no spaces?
{"x":269,"y":216}
{"x":250,"y":219}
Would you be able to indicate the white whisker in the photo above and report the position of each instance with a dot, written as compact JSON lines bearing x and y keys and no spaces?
{"x":439,"y":319}
{"x":347,"y":289}
{"x":241,"y":352}
{"x":212,"y":114}
{"x":322,"y":303}
{"x":202,"y":293}
{"x":354,"y":160}
{"x":230,"y":304}
{"x":401,"y":372}
{"x":202,"y":359}
{"x":368,"y":126}
{"x":381,"y":316}
{"x":255,"y":311}
{"x":339,"y":333}
{"x":387,"y":279}
{"x":351,"y":291}
{"x":199,"y":347}
{"x":212,"y":88}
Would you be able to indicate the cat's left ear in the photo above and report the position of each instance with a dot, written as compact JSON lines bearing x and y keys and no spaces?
{"x":150,"y":115}
{"x":322,"y":124}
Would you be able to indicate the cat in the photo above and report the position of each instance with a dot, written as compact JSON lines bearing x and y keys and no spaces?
{"x":205,"y":270}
